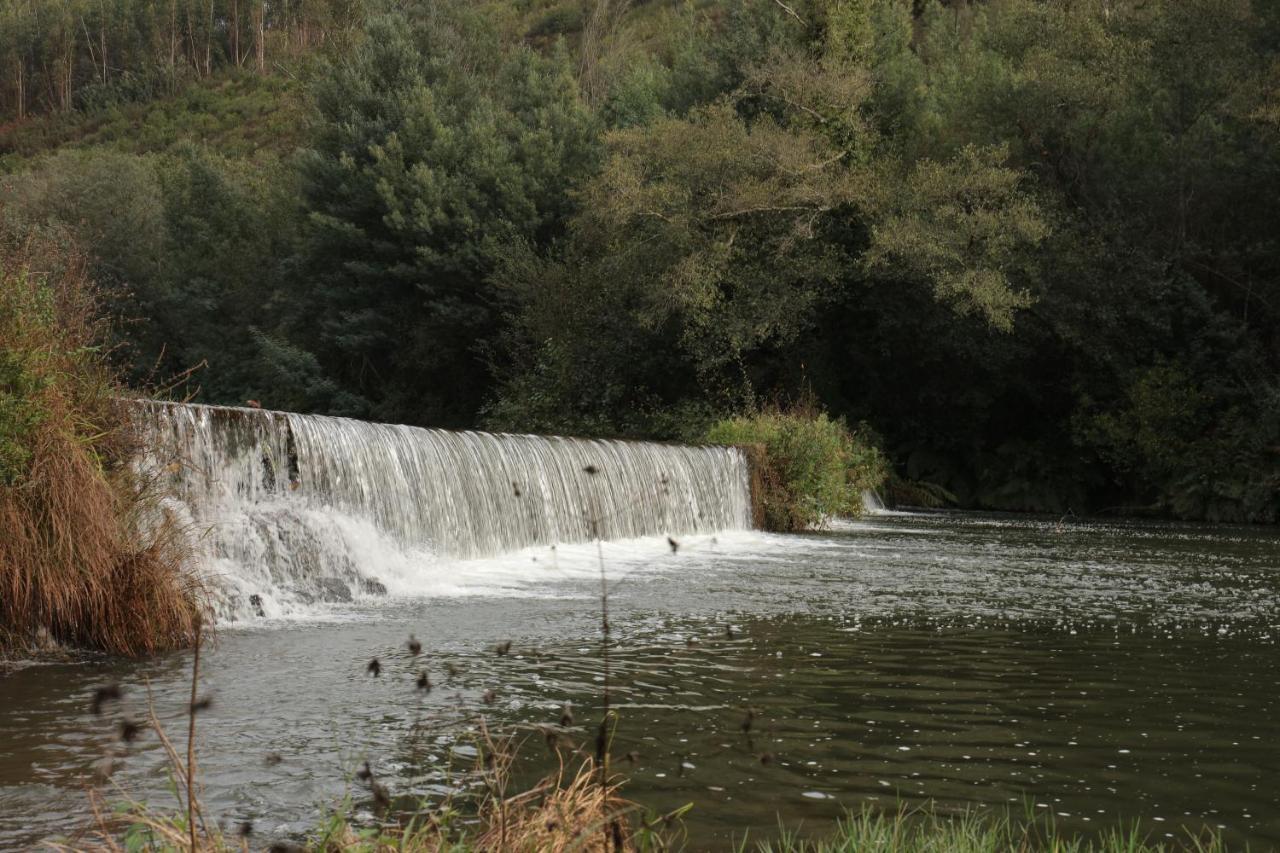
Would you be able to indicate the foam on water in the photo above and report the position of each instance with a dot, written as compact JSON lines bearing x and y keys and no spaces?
{"x":294,"y":512}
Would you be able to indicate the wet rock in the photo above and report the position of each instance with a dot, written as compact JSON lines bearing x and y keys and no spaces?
{"x":372,"y":587}
{"x":333,"y":589}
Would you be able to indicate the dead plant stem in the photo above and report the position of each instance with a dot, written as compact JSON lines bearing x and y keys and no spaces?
{"x":191,"y":740}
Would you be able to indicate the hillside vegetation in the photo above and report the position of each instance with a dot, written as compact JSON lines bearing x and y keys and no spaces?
{"x":1031,"y":245}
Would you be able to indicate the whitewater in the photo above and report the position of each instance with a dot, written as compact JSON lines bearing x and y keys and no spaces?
{"x":289,"y":513}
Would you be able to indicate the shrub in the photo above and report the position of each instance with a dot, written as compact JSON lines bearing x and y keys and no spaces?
{"x":807,"y":467}
{"x":562,"y":20}
{"x":77,"y":563}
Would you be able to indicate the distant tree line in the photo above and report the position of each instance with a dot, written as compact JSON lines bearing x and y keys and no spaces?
{"x":1032,"y":245}
{"x":59,"y":55}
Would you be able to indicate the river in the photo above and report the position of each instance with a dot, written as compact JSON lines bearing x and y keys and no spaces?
{"x":1102,"y":672}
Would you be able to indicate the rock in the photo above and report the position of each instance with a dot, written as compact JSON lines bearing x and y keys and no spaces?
{"x":333,"y":589}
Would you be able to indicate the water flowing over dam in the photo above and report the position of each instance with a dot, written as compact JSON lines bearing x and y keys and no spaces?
{"x":291,"y":509}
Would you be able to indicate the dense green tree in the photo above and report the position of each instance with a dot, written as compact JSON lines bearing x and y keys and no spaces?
{"x":434,"y":149}
{"x":228,"y":228}
{"x":190,"y":246}
{"x":723,"y":234}
{"x":1031,"y":243}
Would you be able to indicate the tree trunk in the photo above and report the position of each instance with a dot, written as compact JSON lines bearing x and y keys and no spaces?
{"x":208,"y":42}
{"x":193,"y":52}
{"x":235,"y":31}
{"x":20,"y":80}
{"x":88,"y":40}
{"x":65,"y":69}
{"x":173,"y":44}
{"x":260,"y":41}
{"x":102,"y":40}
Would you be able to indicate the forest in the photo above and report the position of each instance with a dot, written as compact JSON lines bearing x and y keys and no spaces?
{"x":1030,"y":247}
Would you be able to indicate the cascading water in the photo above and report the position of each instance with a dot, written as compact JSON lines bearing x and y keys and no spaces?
{"x":871,"y":503}
{"x":289,"y":509}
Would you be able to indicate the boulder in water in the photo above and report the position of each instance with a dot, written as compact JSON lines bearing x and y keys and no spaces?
{"x":333,"y":589}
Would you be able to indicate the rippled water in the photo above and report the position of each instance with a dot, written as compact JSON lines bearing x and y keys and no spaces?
{"x":1102,"y":673}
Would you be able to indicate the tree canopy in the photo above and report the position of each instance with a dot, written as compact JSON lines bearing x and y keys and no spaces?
{"x":1030,"y":244}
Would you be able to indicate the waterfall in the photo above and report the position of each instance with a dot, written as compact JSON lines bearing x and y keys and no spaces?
{"x":871,"y":503}
{"x":289,"y":509}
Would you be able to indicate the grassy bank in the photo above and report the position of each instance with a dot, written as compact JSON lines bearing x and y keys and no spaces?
{"x":576,"y":807}
{"x":572,"y":811}
{"x":806,"y":467}
{"x":928,"y":831}
{"x":76,"y":567}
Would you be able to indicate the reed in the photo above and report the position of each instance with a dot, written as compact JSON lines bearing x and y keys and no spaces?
{"x":83,"y":560}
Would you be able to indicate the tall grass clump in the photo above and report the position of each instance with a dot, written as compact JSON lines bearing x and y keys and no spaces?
{"x":77,"y":564}
{"x":925,"y":830}
{"x":807,"y":468}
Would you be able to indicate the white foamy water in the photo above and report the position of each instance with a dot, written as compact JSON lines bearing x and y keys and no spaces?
{"x":292,"y":511}
{"x":871,"y":503}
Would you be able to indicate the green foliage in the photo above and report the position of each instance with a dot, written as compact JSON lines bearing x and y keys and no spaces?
{"x":240,"y":115}
{"x":927,"y":831}
{"x":24,"y":306}
{"x":1165,"y":432}
{"x":966,"y":228}
{"x":433,"y":151}
{"x":710,"y":243}
{"x":1032,"y":243}
{"x":183,"y":240}
{"x":813,"y":468}
{"x":559,"y":20}
{"x":60,"y":56}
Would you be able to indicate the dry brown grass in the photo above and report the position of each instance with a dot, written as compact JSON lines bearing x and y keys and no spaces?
{"x":75,"y":564}
{"x":578,"y":807}
{"x":569,"y":810}
{"x":564,"y":812}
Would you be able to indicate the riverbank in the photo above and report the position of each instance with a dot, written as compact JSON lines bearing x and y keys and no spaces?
{"x":85,"y":560}
{"x":568,"y":816}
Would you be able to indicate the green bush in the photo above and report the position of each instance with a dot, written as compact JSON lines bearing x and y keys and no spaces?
{"x":809,"y":468}
{"x":559,"y":21}
{"x":21,"y":379}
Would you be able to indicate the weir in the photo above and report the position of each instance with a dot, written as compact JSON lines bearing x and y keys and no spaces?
{"x":290,"y":509}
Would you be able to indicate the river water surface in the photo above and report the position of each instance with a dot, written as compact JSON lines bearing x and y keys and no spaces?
{"x":1098,"y":672}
